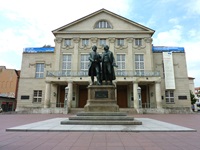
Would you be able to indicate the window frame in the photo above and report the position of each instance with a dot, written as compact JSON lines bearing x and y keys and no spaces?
{"x":168,"y":97}
{"x":102,"y":42}
{"x":138,"y":42}
{"x":85,"y":42}
{"x":140,"y":63}
{"x":102,"y":24}
{"x":39,"y":70}
{"x":120,"y":42}
{"x":121,"y":63}
{"x":67,"y":63}
{"x":67,"y":42}
{"x":37,"y":96}
{"x":84,"y":62}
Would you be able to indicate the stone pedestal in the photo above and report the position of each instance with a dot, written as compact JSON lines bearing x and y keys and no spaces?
{"x":101,"y":98}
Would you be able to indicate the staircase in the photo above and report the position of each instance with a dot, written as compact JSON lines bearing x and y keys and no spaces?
{"x":101,"y":118}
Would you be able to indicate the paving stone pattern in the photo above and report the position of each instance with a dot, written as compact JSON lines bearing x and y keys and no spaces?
{"x":104,"y":140}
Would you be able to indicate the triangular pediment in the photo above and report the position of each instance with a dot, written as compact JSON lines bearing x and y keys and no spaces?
{"x":87,"y":24}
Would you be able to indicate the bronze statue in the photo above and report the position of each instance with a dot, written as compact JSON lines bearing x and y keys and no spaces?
{"x":94,"y":65}
{"x":108,"y":64}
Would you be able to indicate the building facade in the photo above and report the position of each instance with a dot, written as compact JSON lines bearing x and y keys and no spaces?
{"x":8,"y":88}
{"x":148,"y":78}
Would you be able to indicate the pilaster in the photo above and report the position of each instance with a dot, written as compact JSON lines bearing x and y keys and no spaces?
{"x":129,"y":54}
{"x":158,"y":95}
{"x":112,"y":44}
{"x":58,"y":43}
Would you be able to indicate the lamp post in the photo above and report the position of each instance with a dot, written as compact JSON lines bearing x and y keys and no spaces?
{"x":139,"y":95}
{"x":66,"y":96}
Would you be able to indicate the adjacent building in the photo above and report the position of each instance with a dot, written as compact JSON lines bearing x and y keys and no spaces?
{"x":149,"y":78}
{"x":8,"y":88}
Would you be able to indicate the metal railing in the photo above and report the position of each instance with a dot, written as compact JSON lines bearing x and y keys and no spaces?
{"x":118,"y":73}
{"x":147,"y":105}
{"x":57,"y":105}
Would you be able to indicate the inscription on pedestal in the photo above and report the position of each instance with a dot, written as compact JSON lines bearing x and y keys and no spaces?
{"x":101,"y":94}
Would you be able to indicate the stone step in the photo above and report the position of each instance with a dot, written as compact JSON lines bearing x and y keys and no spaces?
{"x":125,"y":110}
{"x":101,"y":118}
{"x":100,"y":101}
{"x":107,"y":118}
{"x":101,"y":114}
{"x":100,"y":122}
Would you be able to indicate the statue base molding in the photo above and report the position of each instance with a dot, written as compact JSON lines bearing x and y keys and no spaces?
{"x":101,"y":98}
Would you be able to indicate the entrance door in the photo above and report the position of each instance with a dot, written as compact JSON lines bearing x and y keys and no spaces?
{"x":83,"y":96}
{"x":60,"y":103}
{"x":144,"y":96}
{"x":122,"y":96}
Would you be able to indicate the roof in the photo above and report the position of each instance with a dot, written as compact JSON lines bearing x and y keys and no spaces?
{"x":151,"y":31}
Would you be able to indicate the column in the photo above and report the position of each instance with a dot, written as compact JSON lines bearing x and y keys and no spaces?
{"x":135,"y":92}
{"x":158,"y":95}
{"x":47,"y":95}
{"x":53,"y":95}
{"x":70,"y":94}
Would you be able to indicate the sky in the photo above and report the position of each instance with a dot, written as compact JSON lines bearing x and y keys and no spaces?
{"x":29,"y":23}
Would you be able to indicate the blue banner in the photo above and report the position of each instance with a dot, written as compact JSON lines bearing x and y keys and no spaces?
{"x":39,"y":49}
{"x":167,"y":49}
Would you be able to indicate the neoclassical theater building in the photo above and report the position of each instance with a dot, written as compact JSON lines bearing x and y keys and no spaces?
{"x":148,"y":78}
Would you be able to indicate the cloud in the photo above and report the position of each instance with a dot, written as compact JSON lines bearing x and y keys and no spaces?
{"x":8,"y":65}
{"x":192,"y":7}
{"x":11,"y":41}
{"x":34,"y":20}
{"x":174,"y":21}
{"x":169,"y":38}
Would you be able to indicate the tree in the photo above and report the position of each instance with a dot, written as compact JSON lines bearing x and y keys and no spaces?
{"x":193,"y":98}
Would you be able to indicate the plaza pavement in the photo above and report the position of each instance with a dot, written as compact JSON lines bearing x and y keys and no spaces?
{"x":44,"y":132}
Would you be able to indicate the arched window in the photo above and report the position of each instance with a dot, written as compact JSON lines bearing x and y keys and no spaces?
{"x":103,"y":24}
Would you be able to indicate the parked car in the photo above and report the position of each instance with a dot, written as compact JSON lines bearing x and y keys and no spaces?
{"x":197,"y":106}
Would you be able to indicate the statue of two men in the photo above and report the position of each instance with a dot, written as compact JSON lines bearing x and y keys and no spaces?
{"x":106,"y":72}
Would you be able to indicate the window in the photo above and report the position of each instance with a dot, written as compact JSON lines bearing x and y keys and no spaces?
{"x":66,"y":64}
{"x":103,"y":24}
{"x":39,"y":73}
{"x":138,"y":42}
{"x":120,"y":42}
{"x":121,"y":64}
{"x":139,"y":64}
{"x":84,"y":62}
{"x":85,"y":42}
{"x":169,"y":96}
{"x":102,"y":42}
{"x":67,"y":42}
{"x":37,"y":96}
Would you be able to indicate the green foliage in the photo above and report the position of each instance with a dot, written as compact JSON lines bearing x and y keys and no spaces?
{"x":193,"y":99}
